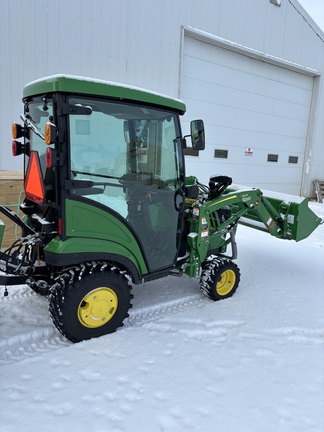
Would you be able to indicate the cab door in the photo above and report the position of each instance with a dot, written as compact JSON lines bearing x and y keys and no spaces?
{"x":127,"y":158}
{"x":154,"y":189}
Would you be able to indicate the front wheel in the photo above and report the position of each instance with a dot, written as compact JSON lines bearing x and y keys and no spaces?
{"x":88,"y":301}
{"x":219,"y":279}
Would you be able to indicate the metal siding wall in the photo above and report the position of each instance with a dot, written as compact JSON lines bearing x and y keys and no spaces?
{"x":138,"y":43}
{"x":11,"y":72}
{"x":120,"y":41}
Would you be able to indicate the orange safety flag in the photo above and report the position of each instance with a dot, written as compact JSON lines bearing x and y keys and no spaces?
{"x":34,"y":185}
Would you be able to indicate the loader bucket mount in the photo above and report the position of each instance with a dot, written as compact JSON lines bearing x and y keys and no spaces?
{"x":287,"y":220}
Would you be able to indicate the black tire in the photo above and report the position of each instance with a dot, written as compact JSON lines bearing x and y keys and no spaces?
{"x":219,"y":279}
{"x":89,"y":301}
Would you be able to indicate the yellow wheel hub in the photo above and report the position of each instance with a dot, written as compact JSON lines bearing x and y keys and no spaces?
{"x":227,"y":282}
{"x":97,"y":307}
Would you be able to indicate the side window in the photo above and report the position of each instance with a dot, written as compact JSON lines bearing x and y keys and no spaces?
{"x":156,"y":150}
{"x":98,"y":154}
{"x":169,"y":160}
{"x":97,"y":145}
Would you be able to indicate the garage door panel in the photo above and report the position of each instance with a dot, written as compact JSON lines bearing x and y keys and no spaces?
{"x":233,"y":60}
{"x":254,"y":102}
{"x":238,"y":118}
{"x":224,"y":137}
{"x":235,"y":79}
{"x":247,"y":103}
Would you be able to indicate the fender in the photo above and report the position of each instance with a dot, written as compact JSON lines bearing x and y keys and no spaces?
{"x":76,"y":250}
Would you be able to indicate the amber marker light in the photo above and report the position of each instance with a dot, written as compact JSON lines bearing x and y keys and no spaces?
{"x":48,"y":134}
{"x":16,"y":130}
{"x":19,"y":131}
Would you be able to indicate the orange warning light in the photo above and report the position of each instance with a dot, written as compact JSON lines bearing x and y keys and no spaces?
{"x":34,"y":185}
{"x":49,"y":133}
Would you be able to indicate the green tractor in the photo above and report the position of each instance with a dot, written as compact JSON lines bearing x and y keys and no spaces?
{"x":107,"y":204}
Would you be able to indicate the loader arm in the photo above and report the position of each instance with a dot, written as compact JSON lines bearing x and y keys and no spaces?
{"x":285,"y":220}
{"x":289,"y":220}
{"x":213,"y":222}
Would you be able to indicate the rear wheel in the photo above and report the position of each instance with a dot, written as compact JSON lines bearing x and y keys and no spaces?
{"x":90,"y":301}
{"x":219,"y":279}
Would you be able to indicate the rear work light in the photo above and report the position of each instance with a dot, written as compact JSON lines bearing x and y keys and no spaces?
{"x":50,"y":157}
{"x":19,"y":148}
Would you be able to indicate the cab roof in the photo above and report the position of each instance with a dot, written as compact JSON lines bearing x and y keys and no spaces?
{"x":88,"y":86}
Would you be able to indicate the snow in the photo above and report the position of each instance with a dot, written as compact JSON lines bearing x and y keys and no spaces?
{"x":285,"y":198}
{"x":254,"y":362}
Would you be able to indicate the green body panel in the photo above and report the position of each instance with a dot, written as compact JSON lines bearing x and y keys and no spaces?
{"x":87,"y":86}
{"x":91,"y":229}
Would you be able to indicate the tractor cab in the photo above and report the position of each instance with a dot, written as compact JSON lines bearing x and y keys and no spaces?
{"x":104,"y":161}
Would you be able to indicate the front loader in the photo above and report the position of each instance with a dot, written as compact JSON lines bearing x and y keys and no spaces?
{"x":107,"y":204}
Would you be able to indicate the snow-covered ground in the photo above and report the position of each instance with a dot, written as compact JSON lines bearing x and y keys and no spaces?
{"x":181,"y":363}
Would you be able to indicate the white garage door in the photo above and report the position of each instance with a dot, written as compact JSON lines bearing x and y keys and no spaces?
{"x":256,"y":117}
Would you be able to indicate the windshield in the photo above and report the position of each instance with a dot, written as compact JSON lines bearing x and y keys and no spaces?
{"x":36,"y":116}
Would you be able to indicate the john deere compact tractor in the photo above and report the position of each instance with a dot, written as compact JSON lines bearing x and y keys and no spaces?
{"x":107,"y":204}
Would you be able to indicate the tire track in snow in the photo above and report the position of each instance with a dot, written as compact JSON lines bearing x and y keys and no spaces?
{"x":140,"y":317}
{"x":44,"y":339}
{"x":19,"y":347}
{"x":296,"y":335}
{"x":300,"y":335}
{"x":18,"y":293}
{"x":30,"y":343}
{"x":26,"y":345}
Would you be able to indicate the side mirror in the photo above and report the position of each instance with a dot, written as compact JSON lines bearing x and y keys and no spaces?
{"x":197,"y":131}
